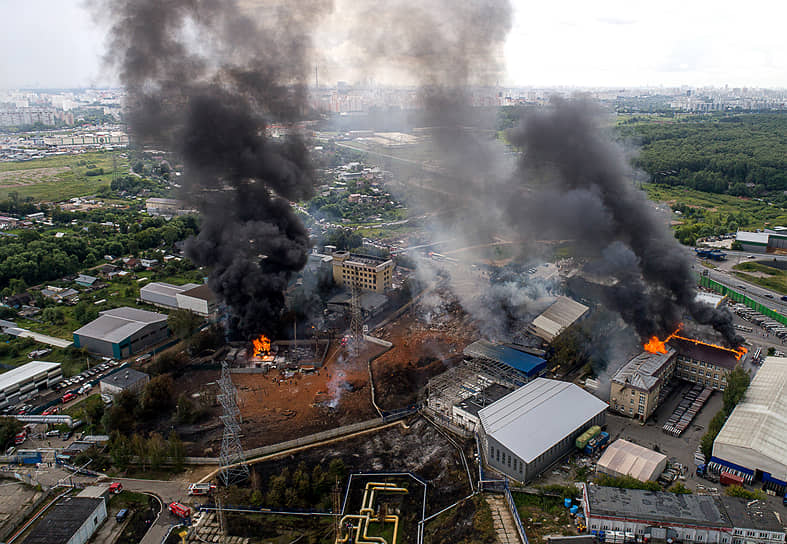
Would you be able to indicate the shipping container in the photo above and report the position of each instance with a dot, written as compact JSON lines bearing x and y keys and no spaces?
{"x":728,"y":478}
{"x":584,"y":438}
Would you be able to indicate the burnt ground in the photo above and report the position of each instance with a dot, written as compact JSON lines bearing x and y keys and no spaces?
{"x":419,"y":449}
{"x":426,"y":343}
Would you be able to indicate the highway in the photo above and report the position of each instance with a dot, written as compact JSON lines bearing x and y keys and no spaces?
{"x":724,"y":275}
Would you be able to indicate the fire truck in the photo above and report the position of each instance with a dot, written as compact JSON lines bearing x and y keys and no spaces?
{"x":180,"y":510}
{"x":201,"y":489}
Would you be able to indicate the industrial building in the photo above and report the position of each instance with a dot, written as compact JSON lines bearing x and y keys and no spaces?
{"x":367,"y":272}
{"x":525,"y":432}
{"x":636,"y":387}
{"x":485,"y":364}
{"x":557,"y":318}
{"x":624,"y":458}
{"x":753,"y":441}
{"x":163,"y":295}
{"x":672,"y":517}
{"x":73,"y":520}
{"x":764,"y":241}
{"x":122,"y":332}
{"x":167,"y":207}
{"x":199,"y":300}
{"x":21,"y":383}
{"x":371,"y":303}
{"x":515,"y":358}
{"x":704,"y":364}
{"x":126,"y":379}
{"x":465,"y":411}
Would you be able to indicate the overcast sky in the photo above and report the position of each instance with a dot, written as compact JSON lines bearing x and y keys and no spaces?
{"x":612,"y":43}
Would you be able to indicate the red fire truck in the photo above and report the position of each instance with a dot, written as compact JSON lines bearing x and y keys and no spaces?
{"x":180,"y":510}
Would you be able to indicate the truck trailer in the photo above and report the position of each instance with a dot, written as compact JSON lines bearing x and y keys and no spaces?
{"x":728,"y":478}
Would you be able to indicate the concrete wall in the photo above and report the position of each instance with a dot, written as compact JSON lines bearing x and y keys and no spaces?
{"x":95,"y":345}
{"x":197,"y":305}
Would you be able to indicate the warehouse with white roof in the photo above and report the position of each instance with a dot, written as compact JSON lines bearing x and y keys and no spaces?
{"x":20,"y":383}
{"x":753,"y":441}
{"x":557,"y":318}
{"x":525,"y":432}
{"x":122,"y":332}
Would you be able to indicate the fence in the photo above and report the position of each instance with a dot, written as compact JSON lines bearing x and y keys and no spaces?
{"x":303,"y":441}
{"x":732,"y":294}
{"x":514,"y":512}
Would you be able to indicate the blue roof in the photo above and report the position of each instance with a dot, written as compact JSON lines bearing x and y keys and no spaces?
{"x":519,"y":360}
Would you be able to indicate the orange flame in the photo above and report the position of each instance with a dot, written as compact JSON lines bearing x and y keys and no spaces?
{"x":262,"y":346}
{"x":654,"y":345}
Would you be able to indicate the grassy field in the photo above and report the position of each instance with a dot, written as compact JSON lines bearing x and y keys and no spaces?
{"x":755,"y":214}
{"x":543,"y":515}
{"x":765,"y":276}
{"x":58,"y":178}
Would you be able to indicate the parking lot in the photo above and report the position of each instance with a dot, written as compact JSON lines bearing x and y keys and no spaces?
{"x":69,"y":389}
{"x":650,"y":435}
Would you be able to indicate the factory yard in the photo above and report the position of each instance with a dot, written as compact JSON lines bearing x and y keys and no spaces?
{"x":280,"y":406}
{"x":677,"y":449}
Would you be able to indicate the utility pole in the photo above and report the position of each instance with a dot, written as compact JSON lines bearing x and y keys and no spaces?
{"x":232,"y":459}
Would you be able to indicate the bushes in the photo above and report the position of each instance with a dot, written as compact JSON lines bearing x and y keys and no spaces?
{"x":626,"y":482}
{"x":738,"y":491}
{"x":737,"y":383}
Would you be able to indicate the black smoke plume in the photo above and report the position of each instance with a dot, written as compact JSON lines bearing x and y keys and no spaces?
{"x":207,"y":81}
{"x":565,"y":152}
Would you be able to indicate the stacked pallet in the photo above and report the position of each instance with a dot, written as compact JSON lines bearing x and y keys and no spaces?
{"x":687,"y":410}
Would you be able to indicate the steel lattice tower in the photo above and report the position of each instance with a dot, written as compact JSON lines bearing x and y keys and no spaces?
{"x":233,"y":462}
{"x":356,"y":320}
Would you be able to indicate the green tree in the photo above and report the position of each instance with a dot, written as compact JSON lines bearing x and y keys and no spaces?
{"x":120,"y":450}
{"x":158,"y":396}
{"x":156,"y":450}
{"x":9,"y":428}
{"x":177,"y":450}
{"x":679,"y":489}
{"x":183,"y":323}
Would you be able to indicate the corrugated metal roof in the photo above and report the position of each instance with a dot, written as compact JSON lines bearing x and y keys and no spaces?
{"x":752,"y":237}
{"x":641,"y":371}
{"x":167,"y":289}
{"x":524,"y":362}
{"x":755,"y":435}
{"x":25,"y":372}
{"x":538,"y":415}
{"x":119,"y":323}
{"x":623,"y":457}
{"x":557,"y":318}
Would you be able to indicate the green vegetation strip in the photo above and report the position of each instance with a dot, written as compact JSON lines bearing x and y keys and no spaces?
{"x":705,"y":281}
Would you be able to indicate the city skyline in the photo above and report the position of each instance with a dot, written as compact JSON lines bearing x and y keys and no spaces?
{"x":573,"y":44}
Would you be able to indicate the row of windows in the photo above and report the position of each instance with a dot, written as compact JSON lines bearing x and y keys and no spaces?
{"x":506,"y":459}
{"x":687,"y":536}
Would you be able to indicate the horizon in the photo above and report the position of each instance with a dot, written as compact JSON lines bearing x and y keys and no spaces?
{"x":611,"y":45}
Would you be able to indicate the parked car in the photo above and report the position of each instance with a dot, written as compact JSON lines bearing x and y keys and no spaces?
{"x":115,"y":487}
{"x":120,"y":516}
{"x":68,"y":397}
{"x":53,"y":433}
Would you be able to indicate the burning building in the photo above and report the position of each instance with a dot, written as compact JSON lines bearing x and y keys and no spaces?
{"x":636,"y":388}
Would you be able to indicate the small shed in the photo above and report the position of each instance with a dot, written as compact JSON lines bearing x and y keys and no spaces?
{"x":624,"y":458}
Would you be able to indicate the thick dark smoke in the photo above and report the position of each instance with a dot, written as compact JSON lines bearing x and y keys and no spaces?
{"x":565,"y":150}
{"x":571,"y":181}
{"x":207,"y":82}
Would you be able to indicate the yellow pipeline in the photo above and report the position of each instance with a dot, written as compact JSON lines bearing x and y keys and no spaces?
{"x":366,"y":515}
